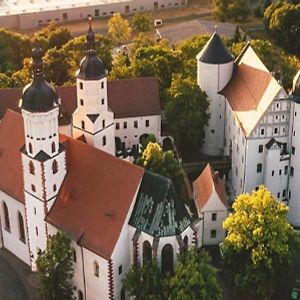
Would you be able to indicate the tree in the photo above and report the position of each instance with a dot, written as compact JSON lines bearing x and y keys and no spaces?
{"x":195,"y":278}
{"x":283,"y":23}
{"x":141,"y":40}
{"x":237,"y":10}
{"x":144,"y":282}
{"x":186,"y":113}
{"x":5,"y":81}
{"x":121,"y":67}
{"x":161,"y":162}
{"x":141,"y":22}
{"x":53,"y":36}
{"x":273,"y":57}
{"x":55,"y":267}
{"x":119,"y":29}
{"x":260,"y":243}
{"x":14,"y":48}
{"x":145,"y":141}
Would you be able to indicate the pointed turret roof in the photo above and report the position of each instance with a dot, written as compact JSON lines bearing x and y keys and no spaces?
{"x":215,"y":52}
{"x":39,"y":95}
{"x":91,"y":66}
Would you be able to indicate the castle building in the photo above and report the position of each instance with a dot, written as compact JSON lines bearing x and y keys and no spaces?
{"x":258,"y":121}
{"x":115,"y":213}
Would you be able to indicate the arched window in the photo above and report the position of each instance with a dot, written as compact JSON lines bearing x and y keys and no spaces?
{"x":96,"y":269}
{"x":53,"y":148}
{"x":80,"y":295}
{"x":147,"y":252}
{"x":74,"y":255}
{"x":54,"y":166}
{"x":31,"y":168}
{"x":6,"y":217}
{"x":259,"y":168}
{"x":21,"y":227}
{"x":167,"y":259}
{"x":30,"y":147}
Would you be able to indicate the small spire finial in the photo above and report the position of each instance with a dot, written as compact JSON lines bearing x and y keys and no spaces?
{"x":90,"y":38}
{"x":37,"y":60}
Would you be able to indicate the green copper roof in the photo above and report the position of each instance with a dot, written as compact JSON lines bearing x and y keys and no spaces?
{"x":158,"y":211}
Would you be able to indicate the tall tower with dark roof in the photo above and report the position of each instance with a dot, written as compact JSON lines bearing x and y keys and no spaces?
{"x":43,"y":157}
{"x":214,"y":70}
{"x":92,"y":118}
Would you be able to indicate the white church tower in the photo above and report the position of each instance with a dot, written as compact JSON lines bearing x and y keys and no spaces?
{"x":294,"y":186}
{"x":92,"y":118}
{"x":214,"y":70}
{"x":43,"y":157}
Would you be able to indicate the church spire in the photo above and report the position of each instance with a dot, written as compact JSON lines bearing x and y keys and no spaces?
{"x":37,"y":61}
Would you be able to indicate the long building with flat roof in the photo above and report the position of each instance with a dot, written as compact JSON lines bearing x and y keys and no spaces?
{"x":34,"y":13}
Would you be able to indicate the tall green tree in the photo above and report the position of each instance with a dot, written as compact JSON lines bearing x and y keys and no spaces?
{"x":119,"y":29}
{"x":260,"y":243}
{"x":145,"y":282}
{"x":195,"y":278}
{"x":5,"y":81}
{"x":141,"y":22}
{"x":14,"y":47}
{"x":237,"y":10}
{"x":186,"y":113}
{"x":55,"y":267}
{"x":283,"y":22}
{"x":161,"y":162}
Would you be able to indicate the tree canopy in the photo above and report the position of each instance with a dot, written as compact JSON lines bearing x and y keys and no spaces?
{"x":260,"y":243}
{"x":194,"y":278}
{"x":186,"y":111}
{"x":119,"y":29}
{"x":161,"y":162}
{"x":55,"y":267}
{"x":141,"y":22}
{"x":237,"y":10}
{"x":282,"y":20}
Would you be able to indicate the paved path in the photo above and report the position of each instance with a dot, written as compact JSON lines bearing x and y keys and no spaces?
{"x":11,"y":286}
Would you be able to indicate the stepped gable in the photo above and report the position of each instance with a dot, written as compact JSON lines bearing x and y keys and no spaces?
{"x":126,"y":98}
{"x":215,"y":52}
{"x":205,"y":184}
{"x":95,"y":197}
{"x":158,"y":210}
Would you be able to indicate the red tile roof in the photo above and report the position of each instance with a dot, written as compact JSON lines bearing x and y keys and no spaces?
{"x":205,"y":184}
{"x":95,"y":197}
{"x":126,"y":98}
{"x":246,"y":88}
{"x":11,"y":140}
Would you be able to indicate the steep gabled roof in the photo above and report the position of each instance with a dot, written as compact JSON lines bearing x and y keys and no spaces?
{"x":215,"y":52}
{"x":251,"y":90}
{"x":95,"y":197}
{"x":205,"y":184}
{"x":126,"y":98}
{"x":158,"y":210}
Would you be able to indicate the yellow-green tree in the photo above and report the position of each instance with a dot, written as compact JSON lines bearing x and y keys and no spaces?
{"x":260,"y":243}
{"x":161,"y":162}
{"x":119,"y":29}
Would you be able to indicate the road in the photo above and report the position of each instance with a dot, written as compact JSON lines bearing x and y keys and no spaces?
{"x":11,"y":286}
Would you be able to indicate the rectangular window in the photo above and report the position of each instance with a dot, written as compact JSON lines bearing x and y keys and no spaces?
{"x":147,"y":123}
{"x":103,"y":123}
{"x":292,"y":171}
{"x":97,"y":13}
{"x":286,"y":169}
{"x":102,"y":85}
{"x":65,"y":16}
{"x":278,"y":195}
{"x":280,"y":172}
{"x":104,"y":141}
{"x":120,"y":269}
{"x":214,"y":217}
{"x":117,"y":126}
{"x":81,"y":102}
{"x":213,"y":233}
{"x":81,"y":85}
{"x":102,"y":101}
{"x":275,"y":130}
{"x":262,"y":131}
{"x":125,"y":125}
{"x":283,"y":193}
{"x":273,"y":173}
{"x":135,"y":124}
{"x":260,"y":149}
{"x":293,"y":150}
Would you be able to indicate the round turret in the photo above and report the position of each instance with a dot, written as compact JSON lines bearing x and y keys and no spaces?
{"x":39,"y":95}
{"x":91,"y":66}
